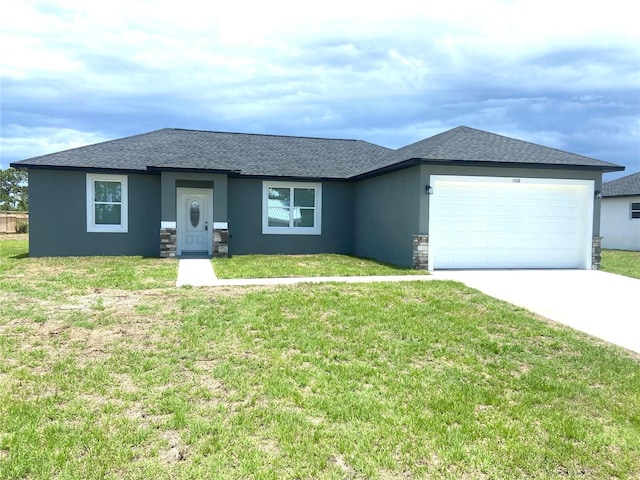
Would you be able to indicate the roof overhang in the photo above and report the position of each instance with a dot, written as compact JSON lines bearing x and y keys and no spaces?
{"x":24,"y":166}
{"x":290,"y":178}
{"x":148,"y":170}
{"x":158,"y":169}
{"x":479,"y":163}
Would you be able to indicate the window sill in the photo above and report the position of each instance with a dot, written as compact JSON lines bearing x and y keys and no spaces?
{"x":107,"y":230}
{"x":291,"y":231}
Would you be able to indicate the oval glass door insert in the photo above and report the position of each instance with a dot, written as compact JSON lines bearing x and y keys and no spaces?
{"x":194,"y":213}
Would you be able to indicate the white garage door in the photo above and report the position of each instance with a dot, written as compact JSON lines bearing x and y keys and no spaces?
{"x":495,"y":222}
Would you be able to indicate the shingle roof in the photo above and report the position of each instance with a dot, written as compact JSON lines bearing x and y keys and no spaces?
{"x":248,"y":154}
{"x":465,"y":144}
{"x":307,"y":157}
{"x":629,"y":185}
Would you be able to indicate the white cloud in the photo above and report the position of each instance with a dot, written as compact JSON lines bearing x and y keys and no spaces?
{"x":22,"y":142}
{"x":387,"y":72}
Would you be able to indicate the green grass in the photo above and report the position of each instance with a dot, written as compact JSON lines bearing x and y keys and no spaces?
{"x":621,"y":262}
{"x":325,"y":265}
{"x":52,"y":276}
{"x":327,"y":381}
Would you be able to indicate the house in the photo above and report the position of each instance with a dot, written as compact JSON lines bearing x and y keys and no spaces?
{"x":464,"y":198}
{"x":620,"y":219}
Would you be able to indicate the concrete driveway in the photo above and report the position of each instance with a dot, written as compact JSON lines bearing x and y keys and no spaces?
{"x":601,"y":304}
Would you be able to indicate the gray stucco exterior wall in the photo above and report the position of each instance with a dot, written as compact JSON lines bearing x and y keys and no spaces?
{"x":387,"y":213}
{"x":427,"y":170}
{"x":245,"y":222}
{"x":168,"y":202}
{"x":391,"y":208}
{"x":58,"y":217}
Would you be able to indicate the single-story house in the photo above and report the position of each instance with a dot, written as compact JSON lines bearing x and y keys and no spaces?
{"x":464,"y":198}
{"x":620,"y":219}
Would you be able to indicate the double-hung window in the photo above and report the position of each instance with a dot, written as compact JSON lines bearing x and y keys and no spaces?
{"x":635,"y":210}
{"x":291,"y":208}
{"x":107,"y":203}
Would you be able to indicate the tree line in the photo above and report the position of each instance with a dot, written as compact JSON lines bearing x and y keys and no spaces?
{"x":14,"y":192}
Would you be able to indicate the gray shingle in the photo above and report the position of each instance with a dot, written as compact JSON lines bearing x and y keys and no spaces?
{"x":629,"y":185}
{"x":274,"y":155}
{"x":249,"y":154}
{"x":470,"y":145}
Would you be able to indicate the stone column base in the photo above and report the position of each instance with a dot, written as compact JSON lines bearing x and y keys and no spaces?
{"x":220,"y":242}
{"x":421,"y":252}
{"x":596,"y":253}
{"x":167,"y":242}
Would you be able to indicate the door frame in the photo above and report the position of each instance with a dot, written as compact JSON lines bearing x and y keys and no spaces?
{"x":181,"y":217}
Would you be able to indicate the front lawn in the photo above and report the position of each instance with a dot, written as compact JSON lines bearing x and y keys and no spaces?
{"x":61,"y":275}
{"x":621,"y":262}
{"x":324,"y":265}
{"x":137,"y":379}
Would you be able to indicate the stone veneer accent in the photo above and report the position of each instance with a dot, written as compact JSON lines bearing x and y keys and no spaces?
{"x":167,"y":242}
{"x":421,"y":252}
{"x":220,"y":242}
{"x":596,"y":253}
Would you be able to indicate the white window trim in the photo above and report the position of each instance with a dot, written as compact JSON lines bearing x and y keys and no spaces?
{"x":91,"y":225}
{"x":315,"y":230}
{"x":633,"y":210}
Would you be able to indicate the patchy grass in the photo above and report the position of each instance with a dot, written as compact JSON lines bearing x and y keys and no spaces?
{"x":62,"y":275}
{"x":325,"y":265}
{"x":621,"y":262}
{"x":330,"y":381}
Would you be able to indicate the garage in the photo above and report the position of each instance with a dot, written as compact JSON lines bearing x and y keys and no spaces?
{"x":507,"y":222}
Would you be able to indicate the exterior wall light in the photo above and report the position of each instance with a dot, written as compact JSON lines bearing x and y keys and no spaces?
{"x":429,"y":190}
{"x":598,"y":194}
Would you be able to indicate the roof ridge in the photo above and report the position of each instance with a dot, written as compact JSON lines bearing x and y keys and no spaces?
{"x":272,"y":135}
{"x":436,"y":139}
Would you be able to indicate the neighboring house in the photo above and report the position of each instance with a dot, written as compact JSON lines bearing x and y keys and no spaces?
{"x":620,"y":219}
{"x":464,"y":198}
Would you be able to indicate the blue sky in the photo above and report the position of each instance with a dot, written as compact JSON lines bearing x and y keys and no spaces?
{"x":565,"y":74}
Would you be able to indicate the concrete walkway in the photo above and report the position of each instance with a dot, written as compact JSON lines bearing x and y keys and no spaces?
{"x":197,"y":272}
{"x":598,"y":303}
{"x":296,"y":280}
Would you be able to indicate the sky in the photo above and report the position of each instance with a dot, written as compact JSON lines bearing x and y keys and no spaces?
{"x":561,"y":73}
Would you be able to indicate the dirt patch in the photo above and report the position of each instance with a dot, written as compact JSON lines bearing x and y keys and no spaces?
{"x":268,"y":447}
{"x":176,"y":452}
{"x":340,"y":462}
{"x":91,"y":325}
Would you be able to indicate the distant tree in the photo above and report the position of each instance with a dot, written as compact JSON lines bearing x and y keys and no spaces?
{"x":14,"y":193}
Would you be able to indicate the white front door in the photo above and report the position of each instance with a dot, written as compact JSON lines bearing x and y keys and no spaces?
{"x":195,"y":220}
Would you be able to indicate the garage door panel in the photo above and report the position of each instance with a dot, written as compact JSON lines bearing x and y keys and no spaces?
{"x":489,"y":222}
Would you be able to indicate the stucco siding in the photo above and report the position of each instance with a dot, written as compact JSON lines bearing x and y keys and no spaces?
{"x":387,"y":215}
{"x":245,"y":222}
{"x":58,"y":217}
{"x":618,"y":230}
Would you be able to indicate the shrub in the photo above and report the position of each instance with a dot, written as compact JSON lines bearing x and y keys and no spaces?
{"x":23,"y":227}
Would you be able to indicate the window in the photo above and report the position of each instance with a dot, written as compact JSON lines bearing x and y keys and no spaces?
{"x":291,"y":208}
{"x":635,"y":210}
{"x":107,"y":203}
